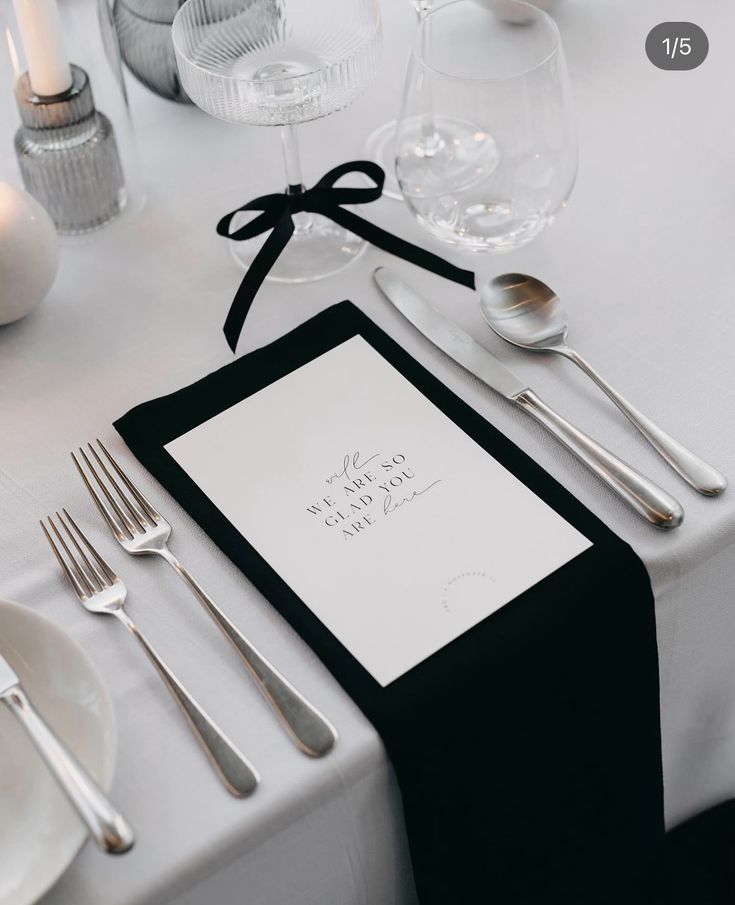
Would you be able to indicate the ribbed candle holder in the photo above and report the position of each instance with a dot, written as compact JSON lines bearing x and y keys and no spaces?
{"x":68,"y":156}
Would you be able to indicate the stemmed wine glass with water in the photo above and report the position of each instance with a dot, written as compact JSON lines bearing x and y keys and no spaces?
{"x":281,"y":63}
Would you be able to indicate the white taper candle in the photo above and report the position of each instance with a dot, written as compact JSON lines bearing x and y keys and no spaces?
{"x":40,"y":30}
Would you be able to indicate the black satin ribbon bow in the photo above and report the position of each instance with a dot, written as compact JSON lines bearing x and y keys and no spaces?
{"x":277,"y":216}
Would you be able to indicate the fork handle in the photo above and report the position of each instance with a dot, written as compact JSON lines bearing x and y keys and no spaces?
{"x":310,"y":729}
{"x":108,"y":827}
{"x":237,"y":773}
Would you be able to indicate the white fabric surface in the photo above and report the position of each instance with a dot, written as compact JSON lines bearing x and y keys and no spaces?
{"x":643,"y":259}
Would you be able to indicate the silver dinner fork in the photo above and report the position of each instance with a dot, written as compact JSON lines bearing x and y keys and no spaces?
{"x":141,"y":529}
{"x":101,"y":591}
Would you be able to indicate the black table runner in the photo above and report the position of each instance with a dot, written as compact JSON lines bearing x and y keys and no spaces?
{"x":697,"y":860}
{"x":528,"y":750}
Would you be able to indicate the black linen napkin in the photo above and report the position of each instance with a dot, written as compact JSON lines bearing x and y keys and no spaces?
{"x":696,"y":865}
{"x":528,"y":750}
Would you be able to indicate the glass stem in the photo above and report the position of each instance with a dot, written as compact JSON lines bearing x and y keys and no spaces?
{"x":294,"y":180}
{"x":290,"y":145}
{"x":430,"y":141}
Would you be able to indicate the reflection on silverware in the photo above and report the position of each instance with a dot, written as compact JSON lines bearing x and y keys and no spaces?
{"x":643,"y":496}
{"x":141,"y":529}
{"x":101,"y":591}
{"x":527,"y":313}
{"x":108,"y":827}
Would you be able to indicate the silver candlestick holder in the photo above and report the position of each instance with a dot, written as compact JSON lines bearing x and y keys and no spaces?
{"x":68,"y":156}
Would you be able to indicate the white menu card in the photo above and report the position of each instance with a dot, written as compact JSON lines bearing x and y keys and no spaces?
{"x":392,"y":525}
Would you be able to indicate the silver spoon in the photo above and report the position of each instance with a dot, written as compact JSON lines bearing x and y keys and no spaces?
{"x":528,"y":313}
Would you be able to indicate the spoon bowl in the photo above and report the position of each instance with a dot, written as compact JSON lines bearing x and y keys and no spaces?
{"x":524,"y":311}
{"x":527,"y":313}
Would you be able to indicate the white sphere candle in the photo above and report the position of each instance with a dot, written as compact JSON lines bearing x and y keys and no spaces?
{"x":40,"y":31}
{"x":29,"y":253}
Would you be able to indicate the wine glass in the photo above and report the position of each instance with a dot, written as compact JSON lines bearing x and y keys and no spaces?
{"x":437,"y":136}
{"x":500,"y":63}
{"x":280,"y":63}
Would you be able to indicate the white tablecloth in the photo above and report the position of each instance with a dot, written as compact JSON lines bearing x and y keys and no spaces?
{"x":643,"y":258}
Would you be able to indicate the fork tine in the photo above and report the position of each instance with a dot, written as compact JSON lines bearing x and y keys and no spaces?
{"x":117,"y":524}
{"x":101,"y":577}
{"x":139,"y":517}
{"x":117,"y":529}
{"x":87,"y":587}
{"x":73,"y":580}
{"x":148,"y":507}
{"x":103,"y":564}
{"x":83,"y":569}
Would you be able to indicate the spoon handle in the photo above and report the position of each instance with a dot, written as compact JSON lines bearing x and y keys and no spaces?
{"x":647,"y":499}
{"x":695,"y":471}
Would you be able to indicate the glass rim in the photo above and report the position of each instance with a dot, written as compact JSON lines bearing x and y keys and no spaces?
{"x":540,"y":14}
{"x":179,"y":51}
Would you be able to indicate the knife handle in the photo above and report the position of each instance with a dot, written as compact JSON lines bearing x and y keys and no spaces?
{"x":649,"y":500}
{"x":108,"y":827}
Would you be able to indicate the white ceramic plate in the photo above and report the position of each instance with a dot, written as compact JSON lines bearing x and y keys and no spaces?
{"x":40,"y":833}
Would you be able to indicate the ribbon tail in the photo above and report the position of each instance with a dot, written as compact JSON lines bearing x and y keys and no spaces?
{"x":253,"y":279}
{"x":400,"y":247}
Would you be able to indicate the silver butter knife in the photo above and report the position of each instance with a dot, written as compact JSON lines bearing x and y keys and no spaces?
{"x":645,"y":497}
{"x":109,"y":829}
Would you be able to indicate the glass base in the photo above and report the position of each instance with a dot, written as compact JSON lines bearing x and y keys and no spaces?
{"x":318,"y":248}
{"x":457,"y":155}
{"x":381,"y":147}
{"x":456,"y":150}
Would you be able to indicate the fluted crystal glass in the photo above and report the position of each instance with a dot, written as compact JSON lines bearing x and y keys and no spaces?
{"x":281,"y":63}
{"x":144,"y":34}
{"x":499,"y":64}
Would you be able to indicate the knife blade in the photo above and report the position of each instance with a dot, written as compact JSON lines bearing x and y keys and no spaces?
{"x":8,"y":678}
{"x":647,"y":499}
{"x":450,"y":338}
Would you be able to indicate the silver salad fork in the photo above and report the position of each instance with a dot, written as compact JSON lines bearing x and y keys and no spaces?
{"x":101,"y":591}
{"x":141,"y":529}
